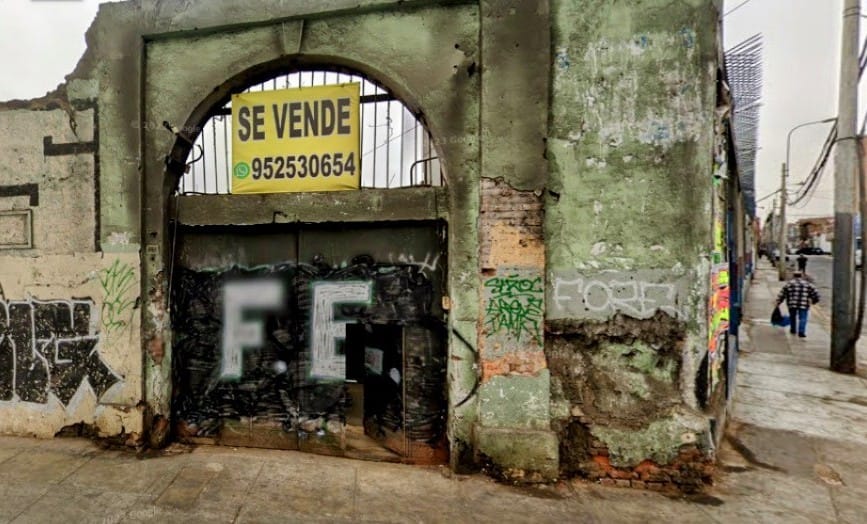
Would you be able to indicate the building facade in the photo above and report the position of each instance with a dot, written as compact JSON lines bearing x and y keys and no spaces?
{"x":554,"y":300}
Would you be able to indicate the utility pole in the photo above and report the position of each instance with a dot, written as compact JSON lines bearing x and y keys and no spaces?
{"x":845,"y":191}
{"x":781,"y":267}
{"x":772,"y":227}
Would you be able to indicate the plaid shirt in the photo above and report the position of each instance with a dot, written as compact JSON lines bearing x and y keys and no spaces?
{"x":798,"y":294}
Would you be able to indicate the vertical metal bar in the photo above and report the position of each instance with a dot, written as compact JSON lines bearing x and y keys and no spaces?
{"x":426,"y":148}
{"x":435,"y":164}
{"x":204,"y":188}
{"x":228,"y":163}
{"x":419,"y":135}
{"x":202,"y":143}
{"x":388,"y":145}
{"x":361,"y":173}
{"x":186,"y":178}
{"x":375,"y":129}
{"x":214,"y":134}
{"x":195,"y":173}
{"x":402,"y":138}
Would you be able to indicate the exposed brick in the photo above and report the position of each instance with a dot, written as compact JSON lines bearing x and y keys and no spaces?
{"x":607,"y":482}
{"x":621,"y":474}
{"x":603,"y":462}
{"x":657,"y":477}
{"x":510,"y":225}
{"x":688,"y":473}
{"x":527,"y":364}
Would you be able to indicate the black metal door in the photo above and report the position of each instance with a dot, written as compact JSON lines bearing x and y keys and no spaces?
{"x":325,"y":338}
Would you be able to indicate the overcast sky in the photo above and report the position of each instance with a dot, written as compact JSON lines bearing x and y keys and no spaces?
{"x":42,"y":40}
{"x":801,"y":70}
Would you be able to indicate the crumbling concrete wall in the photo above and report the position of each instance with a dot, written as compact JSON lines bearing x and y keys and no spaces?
{"x":627,"y":236}
{"x":69,"y":329}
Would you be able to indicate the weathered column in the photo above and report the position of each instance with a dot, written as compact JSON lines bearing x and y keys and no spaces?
{"x":514,"y":436}
{"x":628,"y":237}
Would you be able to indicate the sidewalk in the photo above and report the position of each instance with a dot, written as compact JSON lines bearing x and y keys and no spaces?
{"x":796,"y":447}
{"x":796,"y":451}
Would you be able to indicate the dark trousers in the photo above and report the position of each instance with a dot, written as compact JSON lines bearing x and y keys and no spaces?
{"x":798,"y":321}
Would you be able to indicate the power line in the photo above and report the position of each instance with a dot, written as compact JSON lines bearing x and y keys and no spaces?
{"x":733,"y":9}
{"x":806,"y":192}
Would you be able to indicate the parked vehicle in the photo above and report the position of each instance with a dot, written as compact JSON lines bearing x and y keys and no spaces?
{"x":810,"y":251}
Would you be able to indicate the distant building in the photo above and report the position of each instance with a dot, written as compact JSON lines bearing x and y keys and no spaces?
{"x":816,"y":232}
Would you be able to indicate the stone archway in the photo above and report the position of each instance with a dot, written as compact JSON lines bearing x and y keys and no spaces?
{"x":351,"y":354}
{"x":428,"y":70}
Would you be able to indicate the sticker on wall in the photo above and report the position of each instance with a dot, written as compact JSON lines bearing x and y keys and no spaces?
{"x":293,"y":140}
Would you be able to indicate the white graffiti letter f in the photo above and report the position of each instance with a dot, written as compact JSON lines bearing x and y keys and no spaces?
{"x":238,"y":334}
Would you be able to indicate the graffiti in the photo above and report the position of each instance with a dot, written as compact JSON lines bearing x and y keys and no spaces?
{"x":579,"y":297}
{"x":327,"y":363}
{"x":514,"y":306}
{"x":367,"y":322}
{"x":116,"y":281}
{"x":49,"y":347}
{"x":428,"y":265}
{"x":718,"y":321}
{"x":239,"y":332}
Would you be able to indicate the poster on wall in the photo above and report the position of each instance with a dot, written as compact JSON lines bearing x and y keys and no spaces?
{"x":294,"y":140}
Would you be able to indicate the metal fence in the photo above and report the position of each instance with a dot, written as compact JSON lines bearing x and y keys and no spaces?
{"x":396,"y":148}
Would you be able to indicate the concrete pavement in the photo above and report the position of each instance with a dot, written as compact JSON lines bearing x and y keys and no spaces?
{"x":796,"y":451}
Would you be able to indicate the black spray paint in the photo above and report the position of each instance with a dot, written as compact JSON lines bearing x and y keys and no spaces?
{"x":49,"y":347}
{"x":275,"y":382}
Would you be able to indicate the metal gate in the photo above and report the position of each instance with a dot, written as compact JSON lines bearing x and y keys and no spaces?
{"x":326,"y":338}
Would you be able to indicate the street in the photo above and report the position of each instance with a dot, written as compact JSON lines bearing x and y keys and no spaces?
{"x":820,"y":268}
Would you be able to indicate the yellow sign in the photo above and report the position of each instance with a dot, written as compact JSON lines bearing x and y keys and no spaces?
{"x":303,"y":139}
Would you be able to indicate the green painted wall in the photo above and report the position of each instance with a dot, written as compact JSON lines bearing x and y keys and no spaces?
{"x":627,"y":223}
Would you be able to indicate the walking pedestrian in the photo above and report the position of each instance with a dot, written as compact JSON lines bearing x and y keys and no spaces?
{"x":802,"y":262}
{"x":799,"y":294}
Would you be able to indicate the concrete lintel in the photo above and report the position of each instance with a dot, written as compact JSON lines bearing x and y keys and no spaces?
{"x":191,"y":23}
{"x":343,"y":206}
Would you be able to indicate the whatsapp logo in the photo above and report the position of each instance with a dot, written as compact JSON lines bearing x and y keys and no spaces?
{"x":241,"y":170}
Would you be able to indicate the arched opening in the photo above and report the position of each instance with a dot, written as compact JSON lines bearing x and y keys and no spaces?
{"x":397,"y":149}
{"x":312,"y":321}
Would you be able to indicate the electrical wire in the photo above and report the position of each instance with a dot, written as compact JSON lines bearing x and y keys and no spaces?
{"x":735,"y":8}
{"x":806,"y":191}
